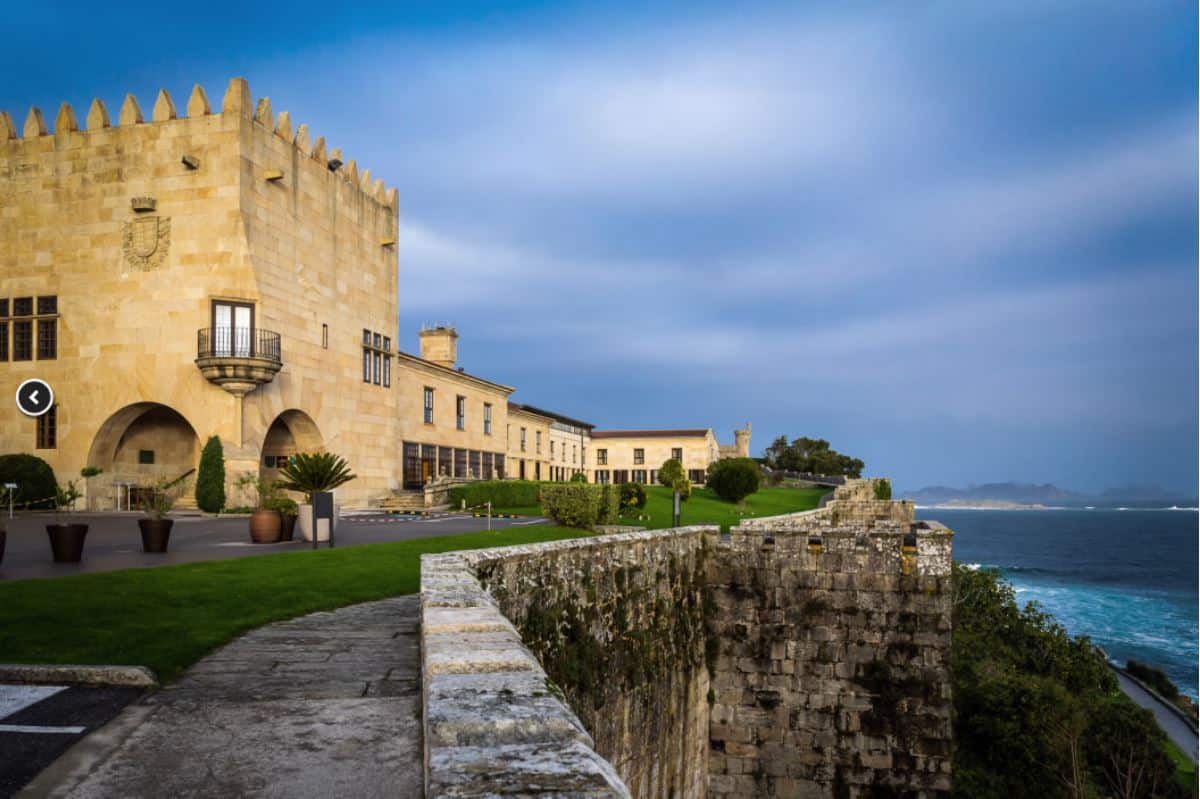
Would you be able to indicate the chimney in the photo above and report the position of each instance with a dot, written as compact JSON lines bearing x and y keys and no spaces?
{"x":439,"y":344}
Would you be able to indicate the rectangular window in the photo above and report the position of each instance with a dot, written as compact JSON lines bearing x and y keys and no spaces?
{"x":377,"y":374}
{"x":146,"y":456}
{"x":522,"y":439}
{"x":538,"y":441}
{"x":696,"y":476}
{"x":487,"y":418}
{"x":3,"y":341}
{"x":460,"y":463}
{"x":232,"y":329}
{"x":387,"y":371}
{"x":487,"y":466}
{"x":366,"y":366}
{"x":47,"y":429}
{"x":537,"y":470}
{"x":551,"y":449}
{"x":499,"y":466}
{"x":445,"y":461}
{"x":325,"y":337}
{"x":677,"y":453}
{"x":366,"y":337}
{"x":639,"y":455}
{"x":23,"y":306}
{"x":620,"y":476}
{"x":3,"y":307}
{"x":412,"y":465}
{"x":428,"y":405}
{"x":602,"y":458}
{"x":476,"y":465}
{"x":378,"y":341}
{"x":574,"y":452}
{"x":460,"y":412}
{"x":47,"y":306}
{"x":22,"y":340}
{"x":602,"y":476}
{"x":639,"y":476}
{"x":387,"y":344}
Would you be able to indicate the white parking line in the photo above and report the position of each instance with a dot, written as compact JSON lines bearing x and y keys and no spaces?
{"x":14,"y":698}
{"x":35,"y":729}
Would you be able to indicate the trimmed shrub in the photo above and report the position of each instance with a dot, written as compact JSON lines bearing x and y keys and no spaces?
{"x":579,"y":504}
{"x":734,"y":479}
{"x":670,"y":473}
{"x":883,"y":488}
{"x":578,"y":477}
{"x":210,"y":479}
{"x":501,"y":493}
{"x":1155,"y":678}
{"x":36,"y":484}
{"x":633,"y":495}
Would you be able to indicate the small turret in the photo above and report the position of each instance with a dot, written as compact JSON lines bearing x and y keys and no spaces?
{"x":742,"y":441}
{"x":439,"y":344}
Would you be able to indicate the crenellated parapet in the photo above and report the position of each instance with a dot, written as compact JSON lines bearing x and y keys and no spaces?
{"x":237,"y":102}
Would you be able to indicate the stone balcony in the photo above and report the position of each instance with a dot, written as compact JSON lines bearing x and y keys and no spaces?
{"x":238,"y":360}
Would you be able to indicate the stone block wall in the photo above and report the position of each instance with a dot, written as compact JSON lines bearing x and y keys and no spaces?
{"x":832,"y":674}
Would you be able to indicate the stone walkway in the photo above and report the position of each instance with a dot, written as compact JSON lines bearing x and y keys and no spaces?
{"x":324,"y":705}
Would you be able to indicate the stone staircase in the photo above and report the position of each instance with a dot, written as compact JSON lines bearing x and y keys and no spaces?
{"x":403,"y":500}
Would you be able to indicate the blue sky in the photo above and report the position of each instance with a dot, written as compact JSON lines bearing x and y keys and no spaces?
{"x":958,"y":240}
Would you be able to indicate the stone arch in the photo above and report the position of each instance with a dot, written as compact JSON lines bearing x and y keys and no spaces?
{"x":291,"y":431}
{"x":137,"y":445}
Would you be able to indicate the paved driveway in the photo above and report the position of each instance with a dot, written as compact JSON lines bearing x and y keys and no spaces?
{"x":113,"y":540}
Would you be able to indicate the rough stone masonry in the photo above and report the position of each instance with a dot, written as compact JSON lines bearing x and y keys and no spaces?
{"x":802,"y":655}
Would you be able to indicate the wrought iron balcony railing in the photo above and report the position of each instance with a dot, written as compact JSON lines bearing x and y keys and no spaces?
{"x":238,"y":342}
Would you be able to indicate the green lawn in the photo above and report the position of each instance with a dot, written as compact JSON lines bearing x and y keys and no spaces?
{"x":168,"y":617}
{"x":705,"y":507}
{"x":1185,"y":769}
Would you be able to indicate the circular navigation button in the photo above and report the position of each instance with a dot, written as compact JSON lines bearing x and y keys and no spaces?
{"x":35,"y":397}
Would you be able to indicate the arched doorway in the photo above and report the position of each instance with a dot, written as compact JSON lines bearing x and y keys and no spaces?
{"x":137,"y":446}
{"x":292,"y":431}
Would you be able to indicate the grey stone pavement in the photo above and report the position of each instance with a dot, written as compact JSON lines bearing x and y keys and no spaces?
{"x":113,"y":540}
{"x":326,"y":705}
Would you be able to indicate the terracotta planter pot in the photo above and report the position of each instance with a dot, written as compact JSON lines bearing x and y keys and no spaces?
{"x":265,"y":526}
{"x":287,"y":526}
{"x":156,"y":534}
{"x":66,"y":541}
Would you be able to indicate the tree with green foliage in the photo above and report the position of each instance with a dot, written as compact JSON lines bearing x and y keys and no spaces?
{"x":734,"y":479}
{"x":670,"y":472}
{"x":1036,"y":710}
{"x":37,"y":487}
{"x":210,"y":480}
{"x":810,"y":456}
{"x":578,"y":477}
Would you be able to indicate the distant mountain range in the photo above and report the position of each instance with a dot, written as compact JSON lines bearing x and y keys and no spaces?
{"x":1047,"y":494}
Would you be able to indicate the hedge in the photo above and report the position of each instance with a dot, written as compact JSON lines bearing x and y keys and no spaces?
{"x":580,"y":505}
{"x":36,"y":484}
{"x":501,"y":493}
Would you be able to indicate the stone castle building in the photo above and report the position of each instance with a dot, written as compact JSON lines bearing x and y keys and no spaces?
{"x":207,"y":270}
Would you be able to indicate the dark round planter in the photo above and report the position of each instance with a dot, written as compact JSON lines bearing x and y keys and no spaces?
{"x":287,"y":527}
{"x":265,"y":526}
{"x":156,"y":534}
{"x":66,"y":541}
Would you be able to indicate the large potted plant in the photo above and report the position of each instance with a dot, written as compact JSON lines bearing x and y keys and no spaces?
{"x":66,"y":539}
{"x":265,"y":524}
{"x":311,"y":473}
{"x":288,"y":513}
{"x":156,"y":527}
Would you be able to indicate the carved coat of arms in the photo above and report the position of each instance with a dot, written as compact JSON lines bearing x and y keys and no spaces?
{"x":147,"y":239}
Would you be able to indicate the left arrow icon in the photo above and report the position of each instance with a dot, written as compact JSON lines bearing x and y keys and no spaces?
{"x":35,"y":397}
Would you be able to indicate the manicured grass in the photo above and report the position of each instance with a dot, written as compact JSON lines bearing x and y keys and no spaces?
{"x":168,"y":617}
{"x":705,"y":507}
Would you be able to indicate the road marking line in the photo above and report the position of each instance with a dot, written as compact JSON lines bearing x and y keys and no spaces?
{"x":29,"y":728}
{"x":14,"y":698}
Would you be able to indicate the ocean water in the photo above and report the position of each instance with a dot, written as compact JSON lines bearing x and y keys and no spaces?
{"x":1126,"y":578}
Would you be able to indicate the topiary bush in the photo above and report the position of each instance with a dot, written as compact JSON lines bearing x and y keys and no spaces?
{"x":670,"y":473}
{"x":633,"y":495}
{"x":36,"y":484}
{"x":579,"y":504}
{"x":734,"y":479}
{"x":501,"y":493}
{"x":210,"y":479}
{"x":883,"y":488}
{"x":578,"y":477}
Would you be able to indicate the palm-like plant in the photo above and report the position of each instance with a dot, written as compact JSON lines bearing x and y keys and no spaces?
{"x":313,"y":472}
